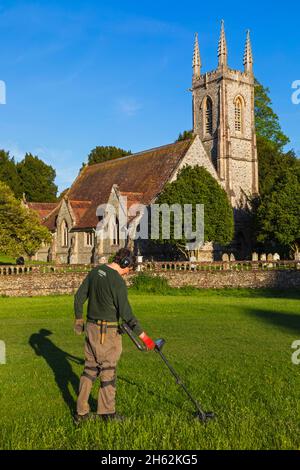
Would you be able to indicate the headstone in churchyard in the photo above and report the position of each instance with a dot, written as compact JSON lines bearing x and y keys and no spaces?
{"x":193,"y":259}
{"x":225,"y":257}
{"x":232,"y":257}
{"x":263,"y":257}
{"x":2,"y":353}
{"x":270,"y":257}
{"x":139,"y":262}
{"x":276,"y":257}
{"x":254,"y":256}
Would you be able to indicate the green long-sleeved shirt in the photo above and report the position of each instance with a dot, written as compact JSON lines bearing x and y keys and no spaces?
{"x":107,"y":298}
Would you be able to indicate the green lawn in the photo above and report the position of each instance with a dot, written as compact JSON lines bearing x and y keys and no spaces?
{"x":233,"y":352}
{"x":4,"y":259}
{"x":8,"y":260}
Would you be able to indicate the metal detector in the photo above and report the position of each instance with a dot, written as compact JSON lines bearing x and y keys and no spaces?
{"x":204,"y":416}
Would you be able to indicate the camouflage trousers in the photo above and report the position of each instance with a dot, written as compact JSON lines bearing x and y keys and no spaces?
{"x":100,"y":361}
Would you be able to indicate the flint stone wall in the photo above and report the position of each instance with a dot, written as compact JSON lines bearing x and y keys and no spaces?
{"x":37,"y":284}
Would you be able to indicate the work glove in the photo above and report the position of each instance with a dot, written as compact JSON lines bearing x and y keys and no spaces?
{"x":149,"y":343}
{"x":79,"y":326}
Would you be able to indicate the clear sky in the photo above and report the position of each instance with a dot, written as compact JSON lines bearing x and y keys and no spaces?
{"x":86,"y":73}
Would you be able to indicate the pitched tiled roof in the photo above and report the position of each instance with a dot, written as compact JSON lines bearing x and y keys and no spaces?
{"x":140,"y":177}
{"x":50,"y":221}
{"x":143,"y":175}
{"x":42,"y":208}
{"x":79,"y":208}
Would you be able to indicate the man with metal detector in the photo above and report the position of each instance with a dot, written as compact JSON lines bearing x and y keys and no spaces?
{"x":108,"y":304}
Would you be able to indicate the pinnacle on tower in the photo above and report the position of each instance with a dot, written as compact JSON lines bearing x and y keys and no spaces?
{"x":248,"y":57}
{"x":196,"y":58}
{"x":222,"y":50}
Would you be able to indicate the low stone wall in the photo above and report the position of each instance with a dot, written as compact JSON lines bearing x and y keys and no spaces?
{"x":68,"y":283}
{"x":237,"y":279}
{"x":40,"y":284}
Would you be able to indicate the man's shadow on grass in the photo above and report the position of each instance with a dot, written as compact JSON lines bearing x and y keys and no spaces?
{"x":58,"y":361}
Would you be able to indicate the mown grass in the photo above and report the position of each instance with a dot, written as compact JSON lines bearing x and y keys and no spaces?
{"x":233,"y":352}
{"x":4,"y":259}
{"x":10,"y":260}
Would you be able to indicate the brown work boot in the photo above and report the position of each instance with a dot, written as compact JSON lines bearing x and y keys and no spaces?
{"x":78,"y":419}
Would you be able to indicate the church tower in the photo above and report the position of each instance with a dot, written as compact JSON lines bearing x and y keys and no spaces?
{"x":224,"y":119}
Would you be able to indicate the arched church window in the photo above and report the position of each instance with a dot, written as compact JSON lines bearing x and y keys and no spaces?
{"x":208,"y":116}
{"x":89,"y":239}
{"x":64,"y":233}
{"x":116,"y":236}
{"x":238,"y":112}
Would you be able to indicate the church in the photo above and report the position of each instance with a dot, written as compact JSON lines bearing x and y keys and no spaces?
{"x":223,"y":142}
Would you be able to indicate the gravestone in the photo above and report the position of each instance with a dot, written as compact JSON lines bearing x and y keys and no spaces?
{"x":2,"y":353}
{"x":139,"y":263}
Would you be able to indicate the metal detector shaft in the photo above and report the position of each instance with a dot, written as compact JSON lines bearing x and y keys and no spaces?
{"x":179,"y":382}
{"x":125,"y":329}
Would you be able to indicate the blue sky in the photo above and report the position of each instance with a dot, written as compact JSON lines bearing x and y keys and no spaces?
{"x":86,"y":73}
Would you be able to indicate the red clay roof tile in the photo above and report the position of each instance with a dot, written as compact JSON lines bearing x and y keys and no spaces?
{"x":42,"y":208}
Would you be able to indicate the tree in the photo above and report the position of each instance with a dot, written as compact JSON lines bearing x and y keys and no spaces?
{"x":21,"y":231}
{"x":103,"y":154}
{"x":8,"y":172}
{"x":196,"y":186}
{"x":278,"y":213}
{"x":186,"y":135}
{"x":266,"y":120}
{"x":272,"y":162}
{"x":37,"y":179}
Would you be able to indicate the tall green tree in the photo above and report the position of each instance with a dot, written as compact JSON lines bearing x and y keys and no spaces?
{"x":266,"y":120}
{"x":8,"y":172}
{"x":37,"y":179}
{"x":102,"y":154}
{"x":21,"y":232}
{"x":272,"y":162}
{"x":278,"y":213}
{"x":195,"y":185}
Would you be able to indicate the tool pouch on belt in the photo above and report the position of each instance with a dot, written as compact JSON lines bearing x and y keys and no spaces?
{"x":103,"y":331}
